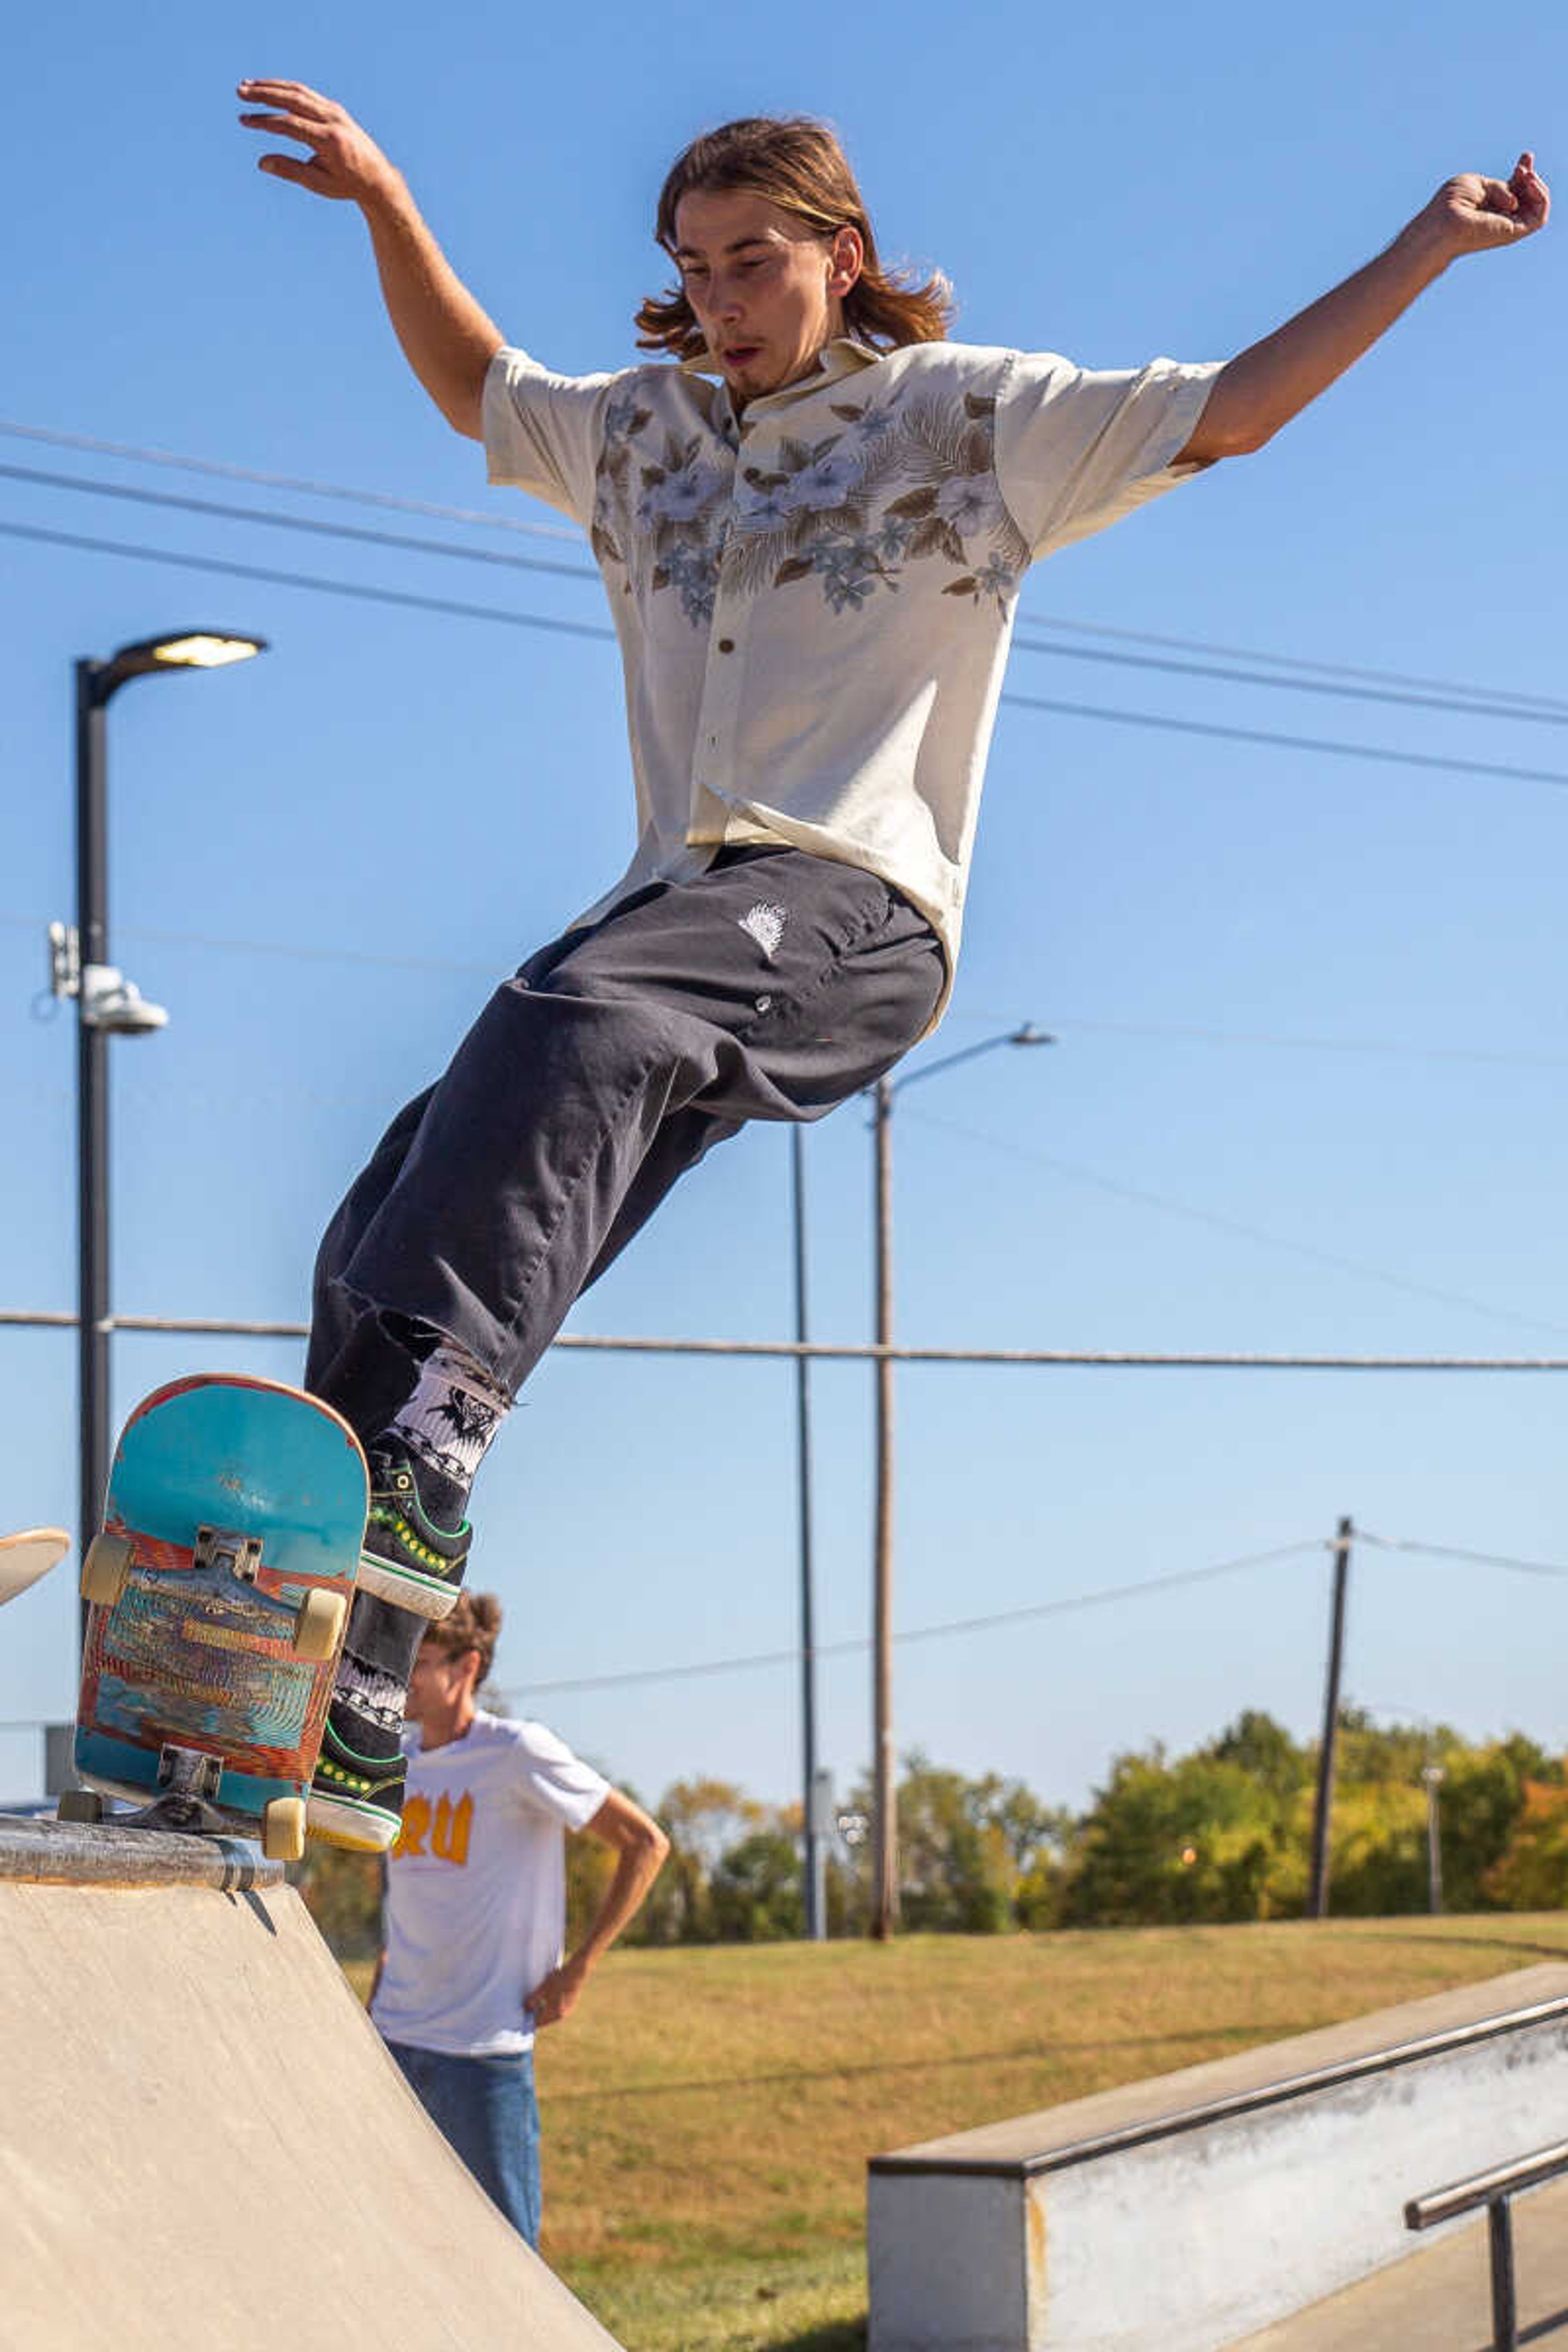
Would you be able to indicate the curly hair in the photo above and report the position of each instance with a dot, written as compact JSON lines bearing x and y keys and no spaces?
{"x":799,"y":165}
{"x":473,"y":1623}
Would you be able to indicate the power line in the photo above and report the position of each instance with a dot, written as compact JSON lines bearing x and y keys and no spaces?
{"x":943,"y":1631}
{"x":1192,"y":1030}
{"x":135,"y":455}
{"x":454,"y":609}
{"x":1470,"y":702}
{"x":1335,"y":748}
{"x":947,"y":1628}
{"x":1498,"y":694}
{"x":1133,"y":1359}
{"x":403,"y":540}
{"x":1452,"y":1551}
{"x":351,"y":588}
{"x":1465,"y":702}
{"x":1235,"y":1225}
{"x":485,"y":521}
{"x":1543,"y":713}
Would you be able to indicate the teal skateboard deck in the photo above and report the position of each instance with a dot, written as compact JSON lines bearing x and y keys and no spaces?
{"x":219,"y":1590}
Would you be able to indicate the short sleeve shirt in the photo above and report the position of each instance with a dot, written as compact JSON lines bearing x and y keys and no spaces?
{"x":475,"y":1893}
{"x":815,"y":602}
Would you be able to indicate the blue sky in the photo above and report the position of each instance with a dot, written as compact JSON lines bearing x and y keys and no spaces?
{"x":1308,"y":1090}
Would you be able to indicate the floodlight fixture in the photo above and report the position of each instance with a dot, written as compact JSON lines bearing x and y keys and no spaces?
{"x":174,"y":649}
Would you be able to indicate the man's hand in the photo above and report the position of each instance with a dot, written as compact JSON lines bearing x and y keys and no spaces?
{"x":1470,"y":213}
{"x":559,"y":1993}
{"x":344,"y":163}
{"x":1263,"y":387}
{"x":446,"y":339}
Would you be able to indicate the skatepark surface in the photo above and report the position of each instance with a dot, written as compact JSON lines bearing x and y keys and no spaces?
{"x":1439,"y":2300}
{"x":203,"y":2142}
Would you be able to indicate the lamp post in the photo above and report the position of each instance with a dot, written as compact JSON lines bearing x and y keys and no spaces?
{"x":107,"y":1004}
{"x":884,"y":1815}
{"x":1433,"y":1776}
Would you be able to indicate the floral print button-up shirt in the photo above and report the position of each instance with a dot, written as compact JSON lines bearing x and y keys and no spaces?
{"x":815,"y":602}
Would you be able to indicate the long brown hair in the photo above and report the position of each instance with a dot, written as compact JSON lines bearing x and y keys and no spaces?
{"x":473,"y":1623}
{"x":799,"y":165}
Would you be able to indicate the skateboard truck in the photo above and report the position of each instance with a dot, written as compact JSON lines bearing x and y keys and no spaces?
{"x":188,"y":1772}
{"x":219,"y":1547}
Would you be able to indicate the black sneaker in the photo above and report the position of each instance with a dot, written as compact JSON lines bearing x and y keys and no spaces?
{"x":356,"y":1791}
{"x":405,"y":1557}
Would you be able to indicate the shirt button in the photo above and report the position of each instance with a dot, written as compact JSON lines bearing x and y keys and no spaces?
{"x":726,"y":644}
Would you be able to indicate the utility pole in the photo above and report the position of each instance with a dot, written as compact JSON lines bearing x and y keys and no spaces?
{"x":885,"y":1827}
{"x":1318,"y":1900}
{"x":813,"y":1855}
{"x":884,"y":1803}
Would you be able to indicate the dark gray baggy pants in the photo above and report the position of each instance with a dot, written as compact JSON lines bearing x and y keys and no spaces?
{"x":772,"y":986}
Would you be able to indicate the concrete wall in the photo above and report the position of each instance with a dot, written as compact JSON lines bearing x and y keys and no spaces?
{"x":1182,"y":2214}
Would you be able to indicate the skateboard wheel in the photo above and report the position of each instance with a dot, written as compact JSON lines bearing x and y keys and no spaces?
{"x":319,"y":1624}
{"x":106,"y":1569}
{"x":283,"y":1829}
{"x":80,"y":1805}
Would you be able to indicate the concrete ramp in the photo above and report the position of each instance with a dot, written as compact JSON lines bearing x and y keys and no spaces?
{"x":202,"y":2141}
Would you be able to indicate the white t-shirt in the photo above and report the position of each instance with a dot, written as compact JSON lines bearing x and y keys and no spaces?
{"x":475,"y":1901}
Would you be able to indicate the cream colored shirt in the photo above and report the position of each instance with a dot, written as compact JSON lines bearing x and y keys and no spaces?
{"x":815,"y":605}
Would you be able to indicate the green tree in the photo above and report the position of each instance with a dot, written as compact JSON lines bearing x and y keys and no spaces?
{"x":1199,"y":1839}
{"x":1480,"y":1805}
{"x":702,"y":1818}
{"x":756,"y":1895}
{"x":1531,"y":1874}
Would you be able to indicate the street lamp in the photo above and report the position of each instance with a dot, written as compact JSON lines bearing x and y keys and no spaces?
{"x":1433,"y":1776}
{"x":884,"y":1818}
{"x":107,"y":1004}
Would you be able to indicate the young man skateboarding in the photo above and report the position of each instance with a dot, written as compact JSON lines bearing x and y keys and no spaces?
{"x":476,"y":1904}
{"x":811,"y":529}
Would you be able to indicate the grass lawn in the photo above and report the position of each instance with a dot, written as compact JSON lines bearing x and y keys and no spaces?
{"x":708,"y":2113}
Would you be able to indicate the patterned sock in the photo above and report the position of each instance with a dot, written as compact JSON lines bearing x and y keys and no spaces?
{"x":446,"y":1425}
{"x":377,"y":1657}
{"x":371,"y":1691}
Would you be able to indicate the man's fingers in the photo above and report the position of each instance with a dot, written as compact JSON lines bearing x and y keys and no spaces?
{"x":288,"y":126}
{"x":295,"y":95}
{"x":291,"y":167}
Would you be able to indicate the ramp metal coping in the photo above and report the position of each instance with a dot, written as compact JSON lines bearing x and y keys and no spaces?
{"x":76,"y":1853}
{"x":1242,"y":2102}
{"x":1496,"y":2190}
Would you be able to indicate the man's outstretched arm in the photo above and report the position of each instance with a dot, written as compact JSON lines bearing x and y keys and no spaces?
{"x":1265,"y":386}
{"x":448,"y":339}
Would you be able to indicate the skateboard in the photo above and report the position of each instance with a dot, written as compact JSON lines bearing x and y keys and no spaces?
{"x":25,"y":1557}
{"x":219,"y":1590}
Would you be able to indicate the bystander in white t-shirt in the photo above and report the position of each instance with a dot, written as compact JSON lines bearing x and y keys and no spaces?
{"x":476,"y":1902}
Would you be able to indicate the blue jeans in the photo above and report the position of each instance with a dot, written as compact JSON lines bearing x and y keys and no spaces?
{"x":486,"y":2109}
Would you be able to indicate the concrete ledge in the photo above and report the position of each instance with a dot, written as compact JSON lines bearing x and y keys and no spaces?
{"x":1188,"y":2211}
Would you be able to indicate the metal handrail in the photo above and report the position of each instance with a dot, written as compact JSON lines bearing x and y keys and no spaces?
{"x":1496,"y":2190}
